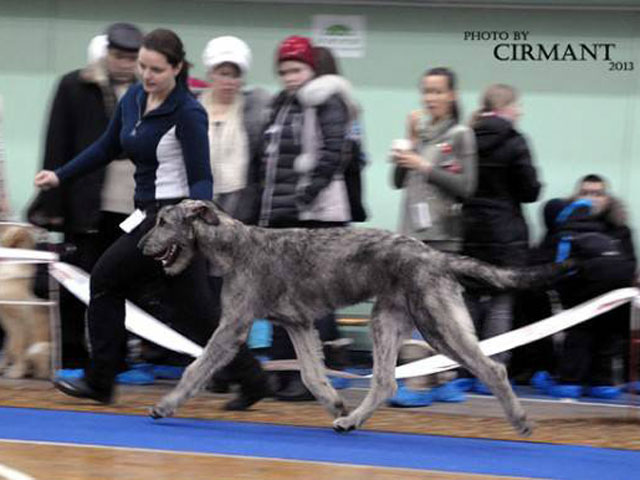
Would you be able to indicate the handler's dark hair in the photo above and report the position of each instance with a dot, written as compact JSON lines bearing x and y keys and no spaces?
{"x":168,"y":43}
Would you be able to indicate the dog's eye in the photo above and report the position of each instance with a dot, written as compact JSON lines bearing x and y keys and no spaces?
{"x":161,"y":222}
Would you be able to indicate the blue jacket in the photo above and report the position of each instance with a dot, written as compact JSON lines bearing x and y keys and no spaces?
{"x":169,"y":147}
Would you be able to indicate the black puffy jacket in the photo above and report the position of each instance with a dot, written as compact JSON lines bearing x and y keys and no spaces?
{"x":494,"y":228}
{"x":282,"y":197}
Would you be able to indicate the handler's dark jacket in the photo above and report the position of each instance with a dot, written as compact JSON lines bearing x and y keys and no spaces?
{"x":494,"y":227}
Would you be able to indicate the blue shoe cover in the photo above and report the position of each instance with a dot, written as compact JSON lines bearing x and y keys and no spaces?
{"x":136,"y":376}
{"x":542,"y":381}
{"x":405,"y":397}
{"x":565,"y":390}
{"x":448,"y":393}
{"x":70,"y":373}
{"x":168,"y":372}
{"x":340,"y":383}
{"x":481,"y":388}
{"x":463,"y":384}
{"x":632,"y":387}
{"x":604,"y":392}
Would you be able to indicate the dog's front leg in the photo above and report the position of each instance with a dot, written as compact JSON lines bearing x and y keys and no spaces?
{"x":387,"y":331}
{"x":220,"y":350}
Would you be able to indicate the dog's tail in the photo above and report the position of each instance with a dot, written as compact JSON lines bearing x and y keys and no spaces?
{"x":470,"y":271}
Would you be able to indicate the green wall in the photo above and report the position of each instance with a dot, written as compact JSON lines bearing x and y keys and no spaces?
{"x":579,"y":116}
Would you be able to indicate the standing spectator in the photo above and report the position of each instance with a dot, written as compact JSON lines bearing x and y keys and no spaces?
{"x":591,"y":227}
{"x":4,"y":195}
{"x":437,"y":174}
{"x":440,"y":172}
{"x":163,"y":129}
{"x":495,"y":228}
{"x":236,"y":120}
{"x":303,"y":167}
{"x":88,"y":210}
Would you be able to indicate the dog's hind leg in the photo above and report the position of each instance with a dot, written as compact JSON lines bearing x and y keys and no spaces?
{"x":389,"y":324}
{"x":451,"y":332}
{"x":309,"y":352}
{"x":219,"y":351}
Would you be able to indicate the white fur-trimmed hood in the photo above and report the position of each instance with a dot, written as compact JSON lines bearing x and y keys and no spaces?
{"x":317,"y":91}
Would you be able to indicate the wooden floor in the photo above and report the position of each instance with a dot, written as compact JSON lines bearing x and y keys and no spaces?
{"x":479,"y":417}
{"x":95,"y":463}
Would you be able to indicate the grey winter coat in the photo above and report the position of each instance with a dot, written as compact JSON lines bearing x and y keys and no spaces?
{"x":432,"y":208}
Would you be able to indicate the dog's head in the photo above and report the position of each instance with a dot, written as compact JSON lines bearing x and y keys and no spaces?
{"x":172,"y":240}
{"x":18,"y":237}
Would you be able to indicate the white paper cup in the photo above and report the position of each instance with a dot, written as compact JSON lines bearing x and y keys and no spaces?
{"x":401,"y":145}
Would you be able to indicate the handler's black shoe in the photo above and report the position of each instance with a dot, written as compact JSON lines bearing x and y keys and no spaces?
{"x":295,"y":391}
{"x":79,"y":388}
{"x":251,"y":394}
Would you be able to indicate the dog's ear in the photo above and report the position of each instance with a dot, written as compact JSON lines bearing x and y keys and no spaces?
{"x":202,"y":210}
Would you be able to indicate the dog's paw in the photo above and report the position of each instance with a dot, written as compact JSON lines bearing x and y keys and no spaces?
{"x":16,"y":371}
{"x":525,"y":428}
{"x":343,"y":425}
{"x":340,"y":409}
{"x":160,"y":411}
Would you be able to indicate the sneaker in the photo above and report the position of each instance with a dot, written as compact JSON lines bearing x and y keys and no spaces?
{"x":565,"y":390}
{"x":607,"y":392}
{"x":406,"y":397}
{"x":448,"y":393}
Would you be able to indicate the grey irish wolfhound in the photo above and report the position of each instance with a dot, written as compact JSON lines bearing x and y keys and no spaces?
{"x":295,"y":276}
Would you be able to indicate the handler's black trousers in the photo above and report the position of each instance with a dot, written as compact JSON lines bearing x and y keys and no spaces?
{"x":121,"y":270}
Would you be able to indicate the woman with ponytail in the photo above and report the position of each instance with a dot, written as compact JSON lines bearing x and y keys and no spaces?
{"x":495,"y":227}
{"x":162,"y":128}
{"x":437,"y":173}
{"x":440,"y":170}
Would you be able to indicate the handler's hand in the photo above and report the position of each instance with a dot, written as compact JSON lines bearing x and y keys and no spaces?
{"x":46,"y":179}
{"x":410,"y":160}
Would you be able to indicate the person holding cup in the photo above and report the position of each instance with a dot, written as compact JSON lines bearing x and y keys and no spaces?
{"x":436,"y":166}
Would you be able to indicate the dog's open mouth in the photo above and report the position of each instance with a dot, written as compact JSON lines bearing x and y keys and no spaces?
{"x":168,"y":256}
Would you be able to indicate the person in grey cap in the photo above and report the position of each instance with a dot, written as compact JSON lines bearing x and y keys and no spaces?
{"x":88,"y":212}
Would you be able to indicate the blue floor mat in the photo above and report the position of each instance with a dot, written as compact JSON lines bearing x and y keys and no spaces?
{"x":423,"y":452}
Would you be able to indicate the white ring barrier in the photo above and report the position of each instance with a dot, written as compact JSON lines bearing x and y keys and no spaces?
{"x":137,"y":321}
{"x":144,"y":325}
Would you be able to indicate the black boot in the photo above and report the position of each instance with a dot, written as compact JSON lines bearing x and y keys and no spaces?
{"x":251,"y":392}
{"x":295,"y":391}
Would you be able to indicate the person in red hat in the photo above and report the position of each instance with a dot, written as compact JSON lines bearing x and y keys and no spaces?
{"x":302,"y":169}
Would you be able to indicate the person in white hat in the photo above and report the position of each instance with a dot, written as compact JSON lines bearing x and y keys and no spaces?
{"x":237,"y":117}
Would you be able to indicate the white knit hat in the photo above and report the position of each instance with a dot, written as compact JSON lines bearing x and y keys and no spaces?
{"x":97,"y":48}
{"x":227,"y":49}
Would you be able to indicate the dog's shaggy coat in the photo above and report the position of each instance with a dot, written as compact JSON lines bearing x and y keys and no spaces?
{"x":27,"y":345}
{"x":294,"y":276}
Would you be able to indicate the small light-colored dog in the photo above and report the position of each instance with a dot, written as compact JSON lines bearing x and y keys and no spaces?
{"x":294,"y":276}
{"x":27,"y":347}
